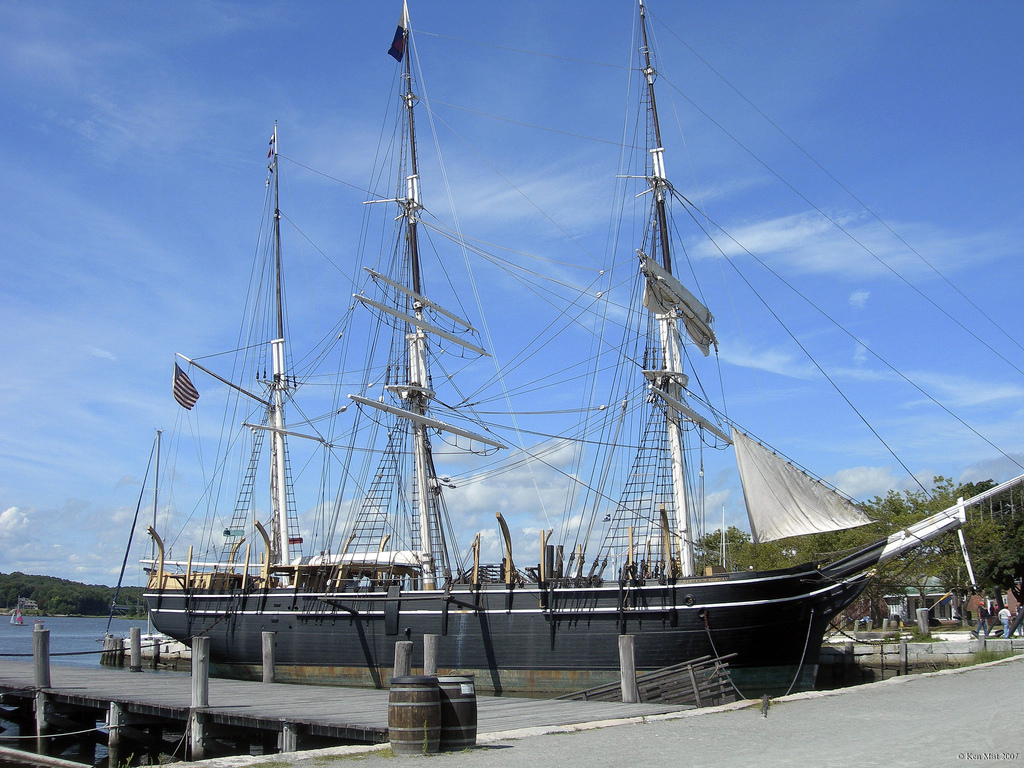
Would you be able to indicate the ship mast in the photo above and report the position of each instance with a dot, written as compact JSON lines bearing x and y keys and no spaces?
{"x":279,"y":387}
{"x":417,"y":315}
{"x":672,"y":380}
{"x":418,"y":392}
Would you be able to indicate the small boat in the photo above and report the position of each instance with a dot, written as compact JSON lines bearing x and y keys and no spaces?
{"x":17,"y":618}
{"x":387,"y":565}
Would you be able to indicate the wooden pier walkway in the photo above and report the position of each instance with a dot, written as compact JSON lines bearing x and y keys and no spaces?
{"x":287,"y":716}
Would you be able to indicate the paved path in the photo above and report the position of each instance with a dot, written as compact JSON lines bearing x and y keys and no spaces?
{"x":952,"y":718}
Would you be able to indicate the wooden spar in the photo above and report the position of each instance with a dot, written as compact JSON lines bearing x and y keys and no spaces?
{"x":418,"y":297}
{"x":668,"y":564}
{"x":476,"y":561}
{"x":348,"y":542}
{"x":222,"y":380}
{"x":426,"y":421}
{"x":234,"y":550}
{"x":419,"y":323}
{"x":160,"y":555}
{"x":542,"y":570}
{"x":266,"y":544}
{"x":245,"y":573}
{"x":510,"y":568}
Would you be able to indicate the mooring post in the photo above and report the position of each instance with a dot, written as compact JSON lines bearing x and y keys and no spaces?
{"x":200,"y":672}
{"x":403,"y":658}
{"x":196,"y":733}
{"x":115,"y":719}
{"x":42,"y":706}
{"x":627,"y":670}
{"x":135,"y":635}
{"x":41,"y":656}
{"x":922,"y":621}
{"x":289,"y":741}
{"x":903,"y":656}
{"x":200,"y":697}
{"x":430,"y":654}
{"x":268,"y":657}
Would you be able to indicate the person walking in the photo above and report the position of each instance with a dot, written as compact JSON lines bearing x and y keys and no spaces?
{"x":1004,"y":617}
{"x":982,"y":619}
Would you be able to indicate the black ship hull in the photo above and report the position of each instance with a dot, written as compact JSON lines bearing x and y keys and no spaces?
{"x":529,"y":639}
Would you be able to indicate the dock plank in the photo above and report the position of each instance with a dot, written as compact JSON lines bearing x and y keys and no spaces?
{"x":324,"y":709}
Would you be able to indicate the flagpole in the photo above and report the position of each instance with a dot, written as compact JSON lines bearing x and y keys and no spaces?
{"x":222,"y":380}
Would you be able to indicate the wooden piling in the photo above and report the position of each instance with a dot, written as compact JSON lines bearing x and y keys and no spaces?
{"x":196,"y":733}
{"x":403,"y":658}
{"x":200,"y":672}
{"x":430,"y":654}
{"x":135,"y":636}
{"x":922,"y":621}
{"x":41,"y":656}
{"x":268,"y":657}
{"x":113,"y":651}
{"x":200,"y":697}
{"x":627,"y":670}
{"x":115,"y":722}
{"x":289,"y":741}
{"x":42,"y":705}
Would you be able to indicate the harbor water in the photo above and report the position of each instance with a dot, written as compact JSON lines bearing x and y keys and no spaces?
{"x":74,"y":641}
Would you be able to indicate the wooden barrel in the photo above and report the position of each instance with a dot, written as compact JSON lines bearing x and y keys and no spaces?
{"x":414,"y":715}
{"x":458,"y":712}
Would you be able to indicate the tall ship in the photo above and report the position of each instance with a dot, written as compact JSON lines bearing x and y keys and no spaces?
{"x":390,"y":562}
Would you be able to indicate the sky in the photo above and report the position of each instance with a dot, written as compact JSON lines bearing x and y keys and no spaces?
{"x":863,"y":158}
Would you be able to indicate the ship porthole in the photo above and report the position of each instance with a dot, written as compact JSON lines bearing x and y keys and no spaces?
{"x":688,"y":599}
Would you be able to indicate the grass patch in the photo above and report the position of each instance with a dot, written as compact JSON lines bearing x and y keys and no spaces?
{"x":983,"y":657}
{"x":383,"y":752}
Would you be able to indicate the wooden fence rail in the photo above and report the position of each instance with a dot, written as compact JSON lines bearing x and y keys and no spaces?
{"x":700,"y":682}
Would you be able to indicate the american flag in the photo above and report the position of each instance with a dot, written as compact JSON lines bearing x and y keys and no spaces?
{"x":184,"y":392}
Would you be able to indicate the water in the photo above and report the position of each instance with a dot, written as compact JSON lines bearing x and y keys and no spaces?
{"x":75,"y":642}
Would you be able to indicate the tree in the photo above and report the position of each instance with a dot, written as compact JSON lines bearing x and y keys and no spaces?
{"x":997,"y":545}
{"x":63,"y":597}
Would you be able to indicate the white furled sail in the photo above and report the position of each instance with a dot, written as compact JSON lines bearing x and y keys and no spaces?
{"x":783,"y":501}
{"x":663,"y":294}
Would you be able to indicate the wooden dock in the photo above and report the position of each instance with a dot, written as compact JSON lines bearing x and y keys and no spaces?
{"x":154,"y":710}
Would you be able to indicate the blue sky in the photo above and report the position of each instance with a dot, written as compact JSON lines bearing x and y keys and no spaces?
{"x":868,"y":152}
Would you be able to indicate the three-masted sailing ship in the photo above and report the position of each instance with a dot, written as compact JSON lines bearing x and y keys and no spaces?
{"x":553,"y":626}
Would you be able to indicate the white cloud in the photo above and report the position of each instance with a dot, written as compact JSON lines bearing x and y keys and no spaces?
{"x":865,"y":482}
{"x":860,"y":353}
{"x":859,"y":299}
{"x":856,"y":246}
{"x":13,"y":523}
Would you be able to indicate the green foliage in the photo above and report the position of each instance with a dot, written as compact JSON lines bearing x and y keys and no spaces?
{"x":999,"y":545}
{"x":994,"y":536}
{"x":60,"y":597}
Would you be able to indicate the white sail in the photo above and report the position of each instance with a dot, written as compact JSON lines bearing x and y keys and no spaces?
{"x":664,"y":294}
{"x":784,"y":501}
